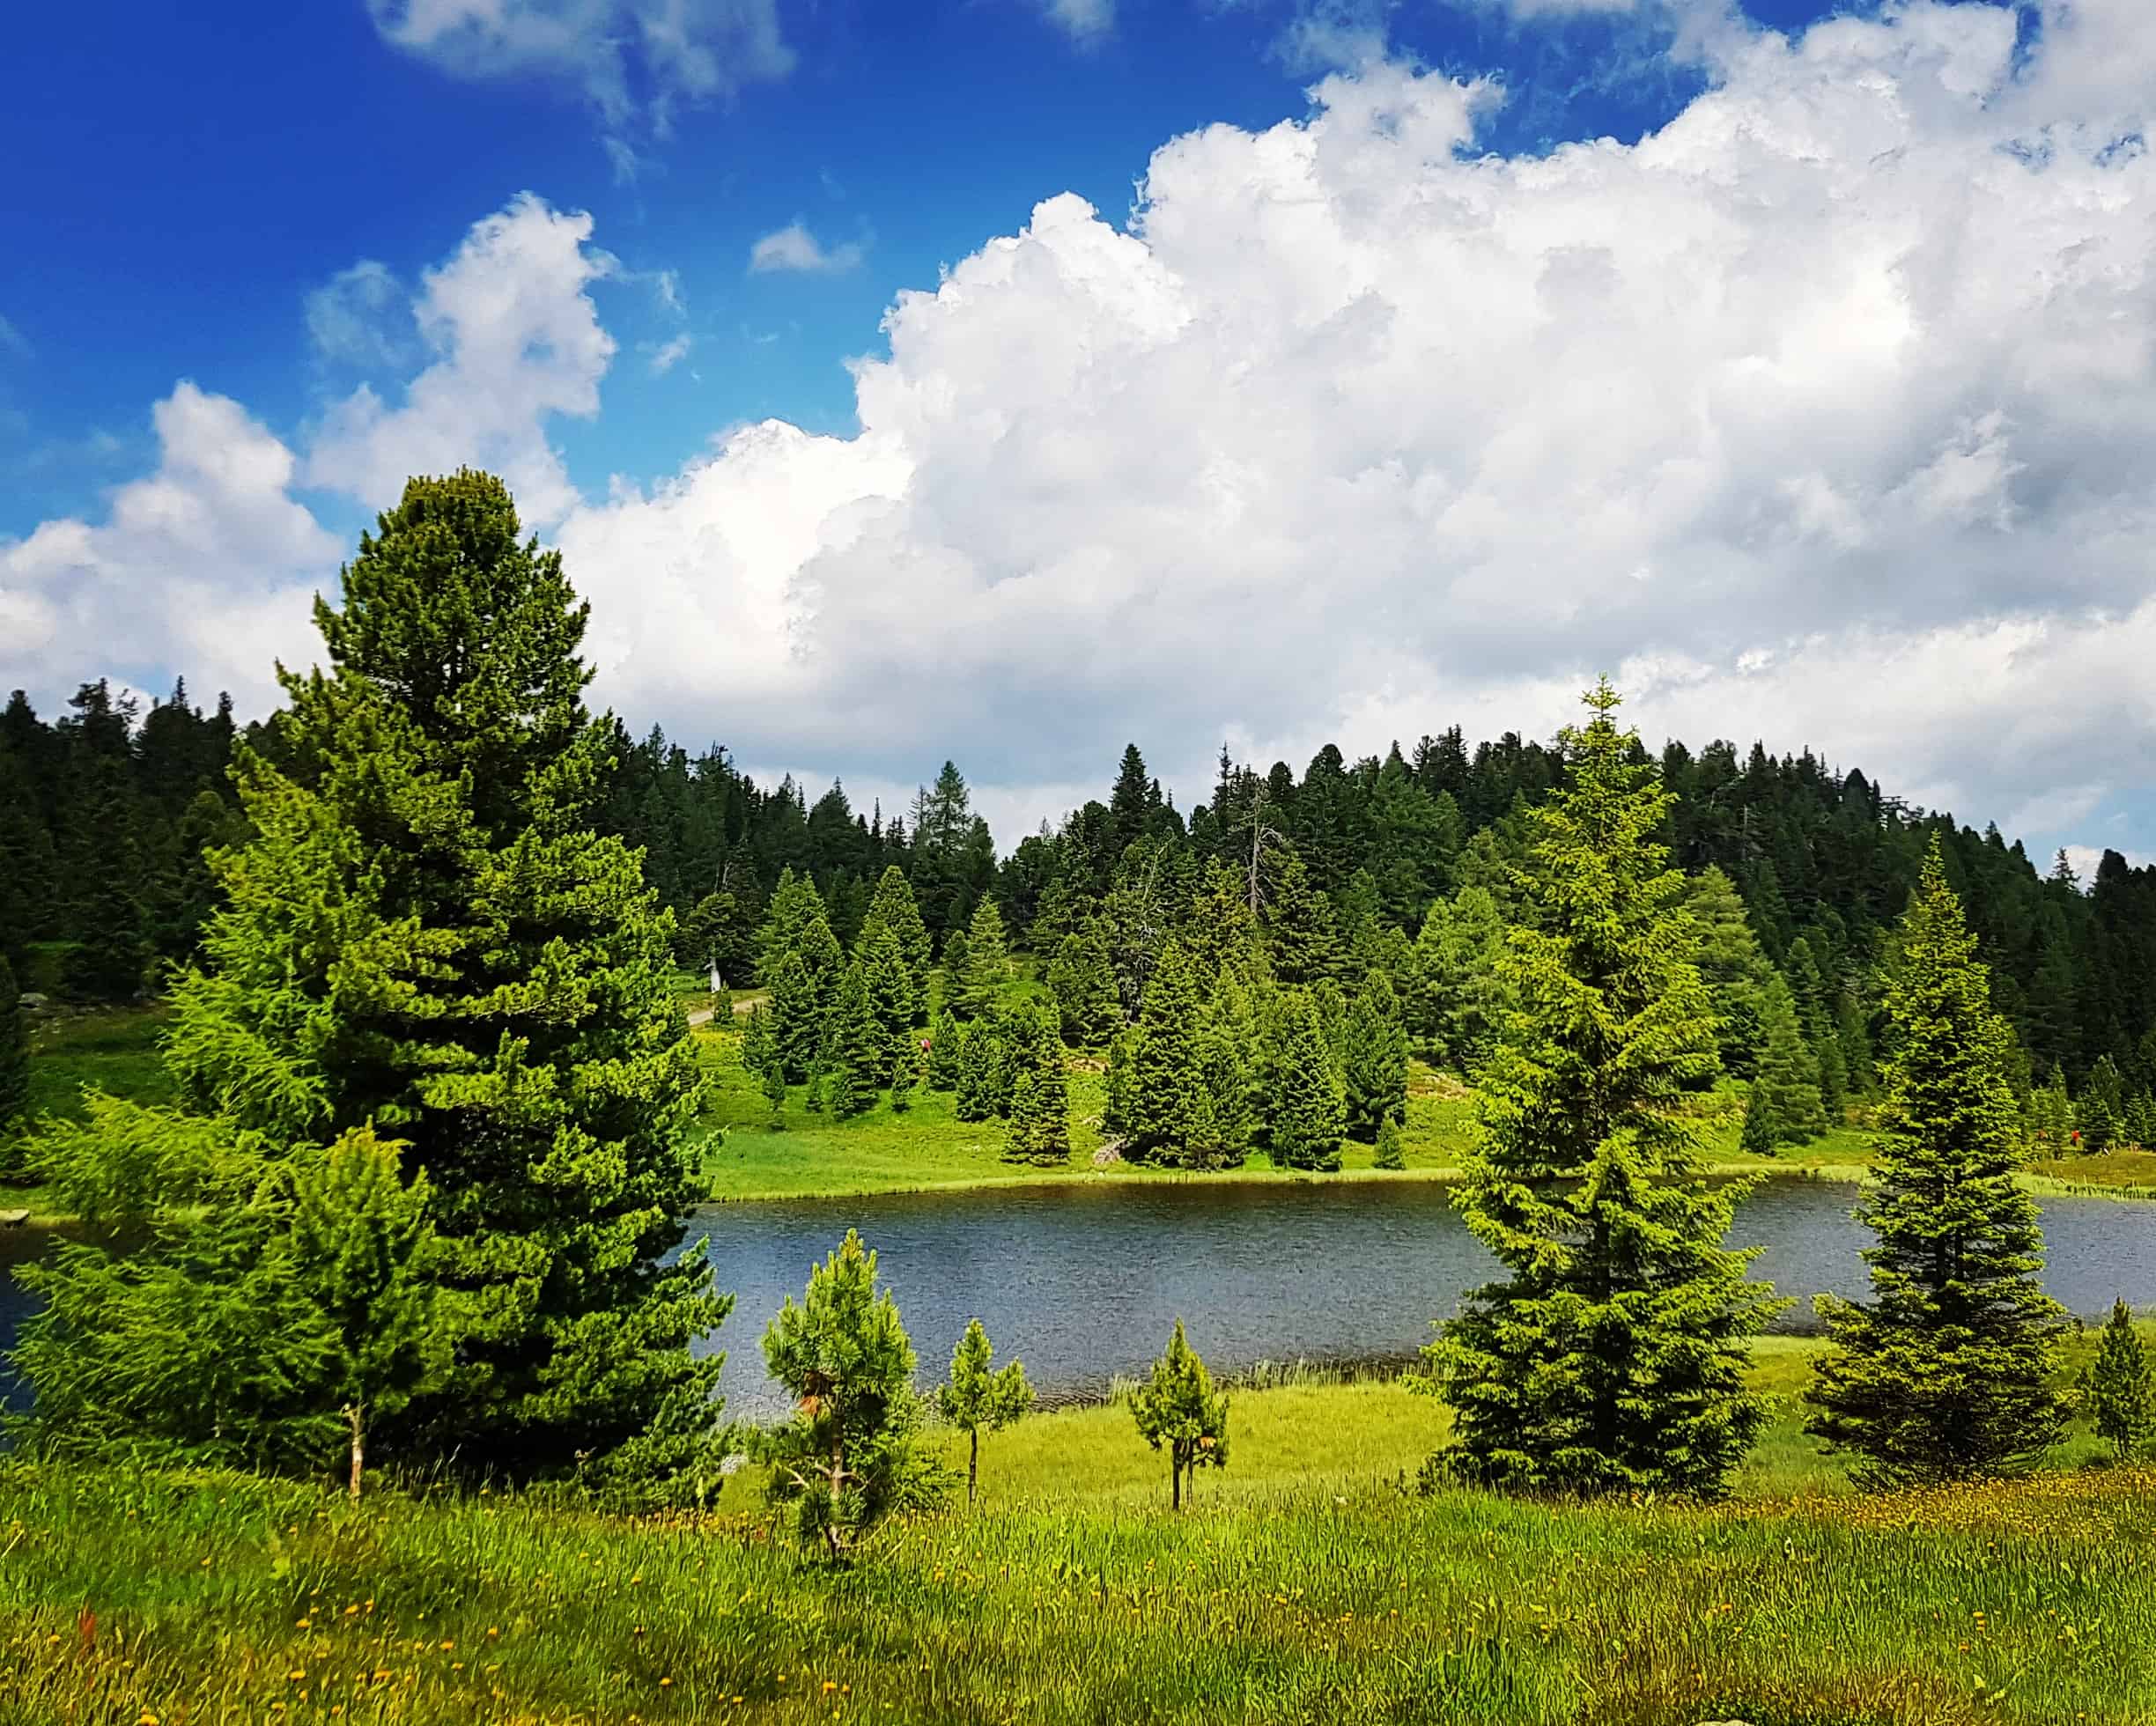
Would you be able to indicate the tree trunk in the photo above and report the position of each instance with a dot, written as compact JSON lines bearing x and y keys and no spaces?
{"x":1175,"y":1474}
{"x":357,"y":1416}
{"x":973,"y":1468}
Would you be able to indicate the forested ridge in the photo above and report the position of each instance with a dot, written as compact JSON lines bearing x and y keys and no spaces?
{"x":105,"y":812}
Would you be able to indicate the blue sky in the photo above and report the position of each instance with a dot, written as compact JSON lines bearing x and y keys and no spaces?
{"x":1791,"y":360}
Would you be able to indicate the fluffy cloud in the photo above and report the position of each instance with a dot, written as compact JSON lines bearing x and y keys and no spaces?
{"x":514,"y":339}
{"x":1816,"y":413}
{"x":631,"y":58}
{"x":206,"y":566}
{"x":794,"y":247}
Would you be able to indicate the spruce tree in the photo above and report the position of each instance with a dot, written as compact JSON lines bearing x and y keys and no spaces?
{"x":984,"y":1084}
{"x":14,"y":1063}
{"x":1611,"y":1355}
{"x":424,"y":933}
{"x":1083,"y":985}
{"x":1309,"y":1116}
{"x":1168,"y":1116}
{"x":894,"y":908}
{"x":1177,"y":1407}
{"x":1815,"y":1017}
{"x":796,"y":921}
{"x":2116,"y":1391}
{"x":1944,"y":1376}
{"x":857,"y":1049}
{"x":1229,"y":1044}
{"x":980,"y":1399}
{"x":988,"y":963}
{"x":1302,"y":935}
{"x":1456,"y":998}
{"x":1735,"y":971}
{"x":957,"y":960}
{"x":892,"y":998}
{"x":1374,"y":1072}
{"x":2101,"y":1109}
{"x":1116,"y":1089}
{"x":796,"y":1019}
{"x":1040,"y":1090}
{"x":1392,"y":1152}
{"x":946,"y":1049}
{"x":1783,"y":1108}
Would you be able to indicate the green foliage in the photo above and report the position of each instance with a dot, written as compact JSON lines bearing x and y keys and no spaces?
{"x":985,"y":1078}
{"x":717,"y":935}
{"x":1040,"y":1090}
{"x":894,"y":1001}
{"x":1611,"y":1355}
{"x":850,"y":1454}
{"x":987,"y":963}
{"x":1783,"y":1107}
{"x":796,"y":1012}
{"x":1301,"y":936}
{"x":1815,"y":1017}
{"x":14,"y":1057}
{"x":857,"y":1050}
{"x":1732,"y":967}
{"x":423,"y":933}
{"x":1230,"y":1053}
{"x":2117,"y":1392}
{"x":1177,"y":1406}
{"x":1166,"y":1111}
{"x":1374,"y":1068}
{"x":1116,"y":1088}
{"x":946,"y":1050}
{"x":1391,"y":1151}
{"x":1309,"y":1116}
{"x":1083,"y":987}
{"x":1456,"y":1001}
{"x":360,"y":1244}
{"x":894,"y":909}
{"x":980,"y":1399}
{"x":1946,"y":1373}
{"x":797,"y":922}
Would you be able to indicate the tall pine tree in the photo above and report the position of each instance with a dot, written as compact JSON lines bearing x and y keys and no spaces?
{"x":1611,"y":1355}
{"x":425,"y":934}
{"x":1373,"y":1064}
{"x":1308,"y":1114}
{"x":1945,"y":1373}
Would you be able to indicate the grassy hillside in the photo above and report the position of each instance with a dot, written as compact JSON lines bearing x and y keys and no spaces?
{"x":925,"y":1146}
{"x":1303,"y":1585}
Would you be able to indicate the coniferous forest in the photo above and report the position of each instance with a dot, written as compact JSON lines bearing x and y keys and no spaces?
{"x":107,"y":811}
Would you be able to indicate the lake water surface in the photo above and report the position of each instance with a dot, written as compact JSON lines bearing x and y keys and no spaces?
{"x":1085,"y":1281}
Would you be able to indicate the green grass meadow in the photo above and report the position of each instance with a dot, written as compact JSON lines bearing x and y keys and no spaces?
{"x":1303,"y":1584}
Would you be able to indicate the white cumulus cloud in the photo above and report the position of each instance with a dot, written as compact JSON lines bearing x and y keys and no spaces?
{"x":514,"y":339}
{"x":1816,"y":411}
{"x":206,"y":566}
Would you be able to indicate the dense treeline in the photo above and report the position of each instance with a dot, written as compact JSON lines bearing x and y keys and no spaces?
{"x":104,"y":813}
